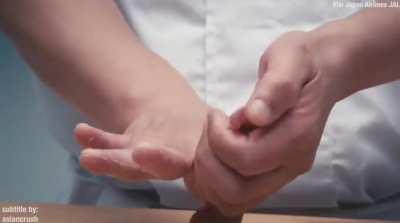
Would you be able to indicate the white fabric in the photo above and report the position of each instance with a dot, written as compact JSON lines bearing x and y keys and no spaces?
{"x":216,"y":45}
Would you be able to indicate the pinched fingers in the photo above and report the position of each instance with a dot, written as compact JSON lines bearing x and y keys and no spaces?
{"x":230,"y":192}
{"x":239,"y":151}
{"x":291,"y":143}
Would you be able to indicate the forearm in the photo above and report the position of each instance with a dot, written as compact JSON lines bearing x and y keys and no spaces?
{"x":360,"y":51}
{"x":89,"y":55}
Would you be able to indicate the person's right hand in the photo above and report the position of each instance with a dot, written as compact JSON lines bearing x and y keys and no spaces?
{"x":273,"y":139}
{"x":160,"y":142}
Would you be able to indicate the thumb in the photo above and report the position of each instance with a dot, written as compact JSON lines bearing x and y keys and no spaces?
{"x":275,"y":93}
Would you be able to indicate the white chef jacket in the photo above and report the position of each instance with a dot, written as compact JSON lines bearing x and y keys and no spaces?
{"x":216,"y":46}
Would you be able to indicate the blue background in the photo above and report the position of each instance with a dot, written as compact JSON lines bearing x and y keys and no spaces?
{"x":33,"y":167}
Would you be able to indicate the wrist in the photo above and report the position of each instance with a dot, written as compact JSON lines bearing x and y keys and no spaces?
{"x":334,"y":59}
{"x":165,"y":91}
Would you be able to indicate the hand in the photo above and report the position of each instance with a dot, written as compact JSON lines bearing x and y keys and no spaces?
{"x":159,"y":143}
{"x":218,"y":185}
{"x":274,"y":137}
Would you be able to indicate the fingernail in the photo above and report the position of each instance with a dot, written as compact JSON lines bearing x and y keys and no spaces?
{"x":82,"y":124}
{"x":86,"y":151}
{"x":259,"y":112}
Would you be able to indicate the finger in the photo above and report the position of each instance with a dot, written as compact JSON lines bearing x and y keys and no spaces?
{"x":281,"y":145}
{"x":240,"y":123}
{"x":92,"y":137}
{"x":236,"y":210}
{"x":220,"y":135}
{"x":235,"y":150}
{"x":161,"y":161}
{"x":220,"y":185}
{"x":114,"y":162}
{"x":262,"y":186}
{"x":197,"y":173}
{"x":256,"y":190}
{"x":192,"y":186}
{"x":269,"y":148}
{"x":237,"y":119}
{"x":266,"y":182}
{"x":276,"y":92}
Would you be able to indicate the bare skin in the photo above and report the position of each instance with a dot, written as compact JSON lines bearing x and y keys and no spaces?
{"x":302,"y":75}
{"x":89,"y":56}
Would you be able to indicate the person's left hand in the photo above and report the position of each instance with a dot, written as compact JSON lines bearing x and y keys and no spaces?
{"x":158,"y":143}
{"x":273,"y":139}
